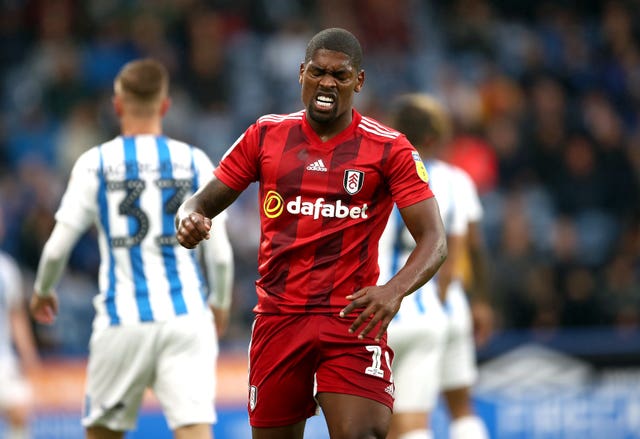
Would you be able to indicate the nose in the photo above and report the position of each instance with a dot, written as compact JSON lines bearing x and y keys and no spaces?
{"x":327,"y":81}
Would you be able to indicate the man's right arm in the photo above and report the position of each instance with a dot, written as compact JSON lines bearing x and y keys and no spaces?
{"x":44,"y":303}
{"x":193,"y":220}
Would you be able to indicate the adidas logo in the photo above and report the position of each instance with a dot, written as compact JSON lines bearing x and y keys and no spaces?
{"x":390,"y":389}
{"x":318,"y":165}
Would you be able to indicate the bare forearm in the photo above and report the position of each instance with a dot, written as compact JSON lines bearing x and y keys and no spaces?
{"x":425,"y":225}
{"x":479,"y":260}
{"x":23,"y":339}
{"x":422,"y":264}
{"x":209,"y":200}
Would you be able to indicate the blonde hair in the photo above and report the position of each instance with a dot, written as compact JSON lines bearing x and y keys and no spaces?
{"x":420,"y":117}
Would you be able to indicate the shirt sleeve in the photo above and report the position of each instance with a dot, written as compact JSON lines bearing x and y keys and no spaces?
{"x":470,"y":198}
{"x":406,"y":174}
{"x":457,"y":222}
{"x":78,"y":207}
{"x":11,"y":281}
{"x":206,"y":170}
{"x":239,"y":166}
{"x":203,"y":166}
{"x":55,"y":255}
{"x":218,"y":260}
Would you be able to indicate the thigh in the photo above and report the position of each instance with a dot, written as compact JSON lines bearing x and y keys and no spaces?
{"x":282,"y":361}
{"x":350,"y":416}
{"x":351,"y":366}
{"x":185,"y":378}
{"x":120,"y":367}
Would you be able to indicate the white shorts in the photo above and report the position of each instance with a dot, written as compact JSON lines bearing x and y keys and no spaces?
{"x":459,"y":368}
{"x":15,"y":390}
{"x":433,"y":351}
{"x":417,"y":340}
{"x":176,"y":359}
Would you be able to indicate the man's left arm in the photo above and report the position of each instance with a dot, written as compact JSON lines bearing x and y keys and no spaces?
{"x":381,"y":303}
{"x":482,"y":308}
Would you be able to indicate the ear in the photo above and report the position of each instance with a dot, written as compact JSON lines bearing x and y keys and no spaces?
{"x":360,"y":81}
{"x":301,"y":73}
{"x":117,"y":105}
{"x":164,"y":106}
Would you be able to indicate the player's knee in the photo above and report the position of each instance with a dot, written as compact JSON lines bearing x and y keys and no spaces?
{"x":469,"y":427}
{"x":18,"y":415}
{"x":459,"y":402}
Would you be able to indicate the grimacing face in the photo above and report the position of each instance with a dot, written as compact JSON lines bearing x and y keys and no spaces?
{"x":329,"y":82}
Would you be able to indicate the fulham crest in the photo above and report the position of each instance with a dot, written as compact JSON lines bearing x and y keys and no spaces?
{"x":353,"y":181}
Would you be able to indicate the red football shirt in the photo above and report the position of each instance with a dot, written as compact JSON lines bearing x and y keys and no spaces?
{"x":323,"y":207}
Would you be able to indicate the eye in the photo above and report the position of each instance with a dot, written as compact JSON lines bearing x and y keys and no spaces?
{"x":315,"y":72}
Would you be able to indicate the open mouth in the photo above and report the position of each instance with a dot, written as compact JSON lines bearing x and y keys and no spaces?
{"x":324,"y":102}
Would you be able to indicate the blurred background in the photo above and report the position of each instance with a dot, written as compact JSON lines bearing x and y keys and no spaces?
{"x":545,"y":97}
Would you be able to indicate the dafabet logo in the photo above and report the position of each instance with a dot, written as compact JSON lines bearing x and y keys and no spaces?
{"x":273,"y":206}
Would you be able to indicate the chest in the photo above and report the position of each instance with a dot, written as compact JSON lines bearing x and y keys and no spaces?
{"x":350,"y":170}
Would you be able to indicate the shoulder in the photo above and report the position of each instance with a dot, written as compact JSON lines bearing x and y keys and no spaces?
{"x":89,"y":160}
{"x":463,"y":177}
{"x":182,"y":147}
{"x":442,"y":167}
{"x":280,"y":119}
{"x":378,"y":131}
{"x":175,"y":143}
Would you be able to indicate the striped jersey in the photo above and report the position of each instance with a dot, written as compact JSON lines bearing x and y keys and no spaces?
{"x":131,"y":188}
{"x":459,"y":205}
{"x":323,"y":205}
{"x":10,"y":297}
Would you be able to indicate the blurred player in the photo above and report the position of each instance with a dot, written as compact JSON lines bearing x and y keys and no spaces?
{"x":328,"y":180}
{"x":432,"y":334}
{"x":15,"y":330}
{"x":152,"y":326}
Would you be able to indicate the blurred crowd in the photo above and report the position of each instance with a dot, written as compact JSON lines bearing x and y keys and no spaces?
{"x":545,"y":97}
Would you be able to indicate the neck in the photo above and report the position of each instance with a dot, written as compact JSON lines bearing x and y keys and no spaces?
{"x":131,"y":126}
{"x":327,"y":131}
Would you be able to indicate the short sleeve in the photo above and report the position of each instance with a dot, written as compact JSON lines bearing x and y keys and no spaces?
{"x":239,"y":166}
{"x":10,"y":281}
{"x":406,"y":174}
{"x":203,"y":166}
{"x":472,"y":204}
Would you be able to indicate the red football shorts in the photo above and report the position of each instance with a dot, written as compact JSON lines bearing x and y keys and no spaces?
{"x":294,"y":357}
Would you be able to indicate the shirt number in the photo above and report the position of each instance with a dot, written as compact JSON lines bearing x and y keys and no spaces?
{"x":376,"y":361}
{"x":130,"y":206}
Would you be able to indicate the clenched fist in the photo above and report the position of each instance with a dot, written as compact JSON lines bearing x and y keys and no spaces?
{"x":192,"y":229}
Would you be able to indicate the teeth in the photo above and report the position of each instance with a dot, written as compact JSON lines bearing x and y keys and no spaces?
{"x":324,"y":101}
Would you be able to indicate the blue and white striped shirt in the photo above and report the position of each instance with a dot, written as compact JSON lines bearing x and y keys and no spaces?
{"x":458,"y":203}
{"x":131,"y":188}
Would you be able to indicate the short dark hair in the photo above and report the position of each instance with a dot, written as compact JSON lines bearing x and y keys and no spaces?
{"x":338,"y":40}
{"x":145,"y":79}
